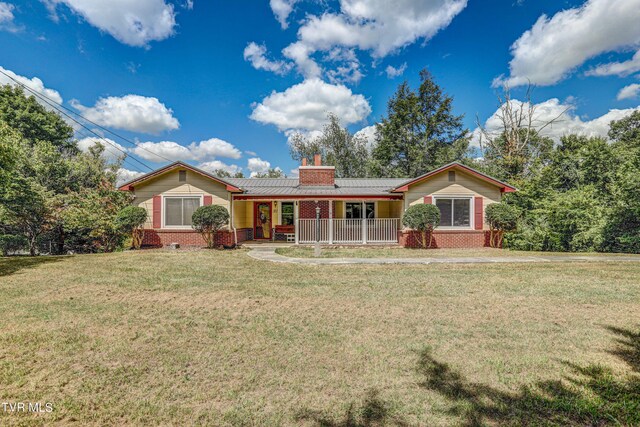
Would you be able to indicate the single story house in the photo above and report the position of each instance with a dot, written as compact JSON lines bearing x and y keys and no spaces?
{"x":352,"y":210}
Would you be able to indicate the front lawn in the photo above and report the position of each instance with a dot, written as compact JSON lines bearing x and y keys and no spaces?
{"x":399,"y":252}
{"x":218,"y":338}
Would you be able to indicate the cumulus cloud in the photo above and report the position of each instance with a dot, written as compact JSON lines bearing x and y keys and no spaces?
{"x":568,"y":123}
{"x":629,"y":92}
{"x":305,"y":106}
{"x":555,"y":46}
{"x":131,"y":112}
{"x":621,"y":69}
{"x":282,"y":9}
{"x":132,"y":22}
{"x":369,"y":134}
{"x":256,"y":165}
{"x":202,"y":151}
{"x":112,"y":150}
{"x":256,"y":55}
{"x":126,"y":175}
{"x":393,"y":72}
{"x":214,"y":165}
{"x":378,"y":26}
{"x":34,"y":84}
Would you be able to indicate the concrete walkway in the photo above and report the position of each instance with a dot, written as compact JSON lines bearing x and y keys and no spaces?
{"x":268,"y":253}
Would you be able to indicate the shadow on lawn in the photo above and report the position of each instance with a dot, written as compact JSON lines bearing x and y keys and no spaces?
{"x":13,"y":264}
{"x":373,"y":412}
{"x":592,"y":396}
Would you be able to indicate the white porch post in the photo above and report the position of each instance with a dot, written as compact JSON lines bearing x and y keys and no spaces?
{"x":364,"y":223}
{"x":331,"y":222}
{"x":296,"y":220}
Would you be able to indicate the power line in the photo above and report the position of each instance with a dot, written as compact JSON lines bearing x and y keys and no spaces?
{"x":55,"y":106}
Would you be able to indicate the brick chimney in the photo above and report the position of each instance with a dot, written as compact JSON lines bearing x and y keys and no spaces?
{"x":316,"y":175}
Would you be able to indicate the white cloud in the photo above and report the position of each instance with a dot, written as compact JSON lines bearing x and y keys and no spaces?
{"x":305,"y":106}
{"x":126,"y":175}
{"x":34,"y":84}
{"x":629,"y":92}
{"x":202,"y":151}
{"x":112,"y":150}
{"x":393,"y":72}
{"x":131,"y":112}
{"x":378,"y":26}
{"x":294,"y":173}
{"x":621,"y":69}
{"x":555,"y":46}
{"x":256,"y":54}
{"x":132,"y":22}
{"x":568,"y":123}
{"x":369,"y":134}
{"x":256,"y":165}
{"x":7,"y":17}
{"x":215,"y":165}
{"x":282,"y":9}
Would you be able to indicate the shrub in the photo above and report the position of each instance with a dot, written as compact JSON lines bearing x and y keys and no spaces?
{"x":12,"y":243}
{"x":131,"y":220}
{"x":501,"y":217}
{"x":423,"y":218}
{"x":208,"y":220}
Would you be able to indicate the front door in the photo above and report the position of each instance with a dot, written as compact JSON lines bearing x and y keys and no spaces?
{"x":262,"y":220}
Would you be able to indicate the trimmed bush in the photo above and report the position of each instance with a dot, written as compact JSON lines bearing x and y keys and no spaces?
{"x":423,"y":218}
{"x":501,"y":217}
{"x":131,"y":221}
{"x":208,"y":220}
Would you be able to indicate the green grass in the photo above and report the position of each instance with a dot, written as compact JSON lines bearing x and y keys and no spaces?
{"x":218,"y":338}
{"x":398,"y":252}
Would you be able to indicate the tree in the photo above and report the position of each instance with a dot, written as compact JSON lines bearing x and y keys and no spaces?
{"x":424,"y":218}
{"x":501,"y":217}
{"x":221,"y":173}
{"x":208,"y":220}
{"x":515,"y":148}
{"x":34,"y":122}
{"x":131,"y":220}
{"x":271,"y":173}
{"x":419,"y":133}
{"x":337,"y":146}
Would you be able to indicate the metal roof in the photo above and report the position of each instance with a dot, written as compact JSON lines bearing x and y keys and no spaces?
{"x":291,"y":187}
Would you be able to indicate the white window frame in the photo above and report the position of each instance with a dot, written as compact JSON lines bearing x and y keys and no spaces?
{"x":375,"y":208}
{"x":178,"y":196}
{"x":471,"y":211}
{"x":293,"y":202}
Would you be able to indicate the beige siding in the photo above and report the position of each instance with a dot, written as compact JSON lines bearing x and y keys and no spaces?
{"x":168,"y":184}
{"x":464,"y":185}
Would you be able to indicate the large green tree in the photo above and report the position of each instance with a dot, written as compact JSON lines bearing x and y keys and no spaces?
{"x":420,"y":132}
{"x":340,"y":148}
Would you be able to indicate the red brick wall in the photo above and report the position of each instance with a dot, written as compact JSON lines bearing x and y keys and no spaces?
{"x":446,"y":239}
{"x":308,"y":175}
{"x":161,"y":238}
{"x":307,"y":209}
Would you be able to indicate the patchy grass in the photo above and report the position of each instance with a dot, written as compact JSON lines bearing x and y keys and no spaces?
{"x":217,"y":338}
{"x":398,"y":252}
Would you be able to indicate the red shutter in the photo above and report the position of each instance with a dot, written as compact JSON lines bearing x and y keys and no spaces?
{"x":428,"y":200}
{"x":157,"y":211}
{"x":479,"y":213}
{"x":208,"y":200}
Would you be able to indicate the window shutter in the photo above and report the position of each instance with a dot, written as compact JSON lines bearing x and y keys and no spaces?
{"x":157,"y":212}
{"x":478,"y":212}
{"x":208,"y":200}
{"x":428,"y":200}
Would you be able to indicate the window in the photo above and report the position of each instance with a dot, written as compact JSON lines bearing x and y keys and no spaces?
{"x":452,"y":176}
{"x":454,"y":212}
{"x":353,"y":210}
{"x":182,"y":176}
{"x":178,"y":210}
{"x":286,"y":212}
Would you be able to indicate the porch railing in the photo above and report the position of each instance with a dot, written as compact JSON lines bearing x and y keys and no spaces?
{"x":378,"y":230}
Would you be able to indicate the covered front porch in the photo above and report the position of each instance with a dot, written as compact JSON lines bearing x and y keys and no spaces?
{"x":341,"y":221}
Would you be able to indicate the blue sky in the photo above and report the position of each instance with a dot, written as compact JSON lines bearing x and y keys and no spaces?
{"x":223,"y":84}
